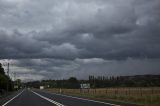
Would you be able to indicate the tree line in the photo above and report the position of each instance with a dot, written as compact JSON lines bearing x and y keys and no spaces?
{"x":125,"y":81}
{"x":101,"y":82}
{"x":6,"y":84}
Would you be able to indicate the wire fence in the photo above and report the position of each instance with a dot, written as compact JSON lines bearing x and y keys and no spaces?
{"x":138,"y":91}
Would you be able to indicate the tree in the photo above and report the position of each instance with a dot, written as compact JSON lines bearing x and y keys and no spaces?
{"x":73,"y":82}
{"x":5,"y":81}
{"x":1,"y":69}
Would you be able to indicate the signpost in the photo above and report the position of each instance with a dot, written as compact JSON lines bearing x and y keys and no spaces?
{"x":41,"y":87}
{"x":85,"y":87}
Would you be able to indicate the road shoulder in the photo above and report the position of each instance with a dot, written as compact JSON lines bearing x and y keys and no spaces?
{"x":90,"y":98}
{"x":6,"y":98}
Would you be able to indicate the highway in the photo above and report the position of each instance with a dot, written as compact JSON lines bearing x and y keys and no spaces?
{"x":38,"y":98}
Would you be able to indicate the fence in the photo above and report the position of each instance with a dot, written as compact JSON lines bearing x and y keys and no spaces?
{"x":113,"y":91}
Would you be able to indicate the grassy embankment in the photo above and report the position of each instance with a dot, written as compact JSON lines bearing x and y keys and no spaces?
{"x":141,"y":96}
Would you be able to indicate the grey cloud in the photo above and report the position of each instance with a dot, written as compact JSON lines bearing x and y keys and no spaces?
{"x":23,"y":46}
{"x":64,"y":32}
{"x":115,"y":29}
{"x":82,"y":68}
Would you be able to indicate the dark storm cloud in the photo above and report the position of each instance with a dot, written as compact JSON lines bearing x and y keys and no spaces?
{"x":16,"y":45}
{"x":69,"y":30}
{"x":80,"y":29}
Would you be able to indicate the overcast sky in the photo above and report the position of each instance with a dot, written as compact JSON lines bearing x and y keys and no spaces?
{"x":55,"y":39}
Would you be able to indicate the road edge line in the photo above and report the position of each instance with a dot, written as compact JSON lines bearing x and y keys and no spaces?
{"x":50,"y":100}
{"x":87,"y":99}
{"x":12,"y":98}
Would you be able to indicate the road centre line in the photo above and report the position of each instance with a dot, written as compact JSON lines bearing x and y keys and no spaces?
{"x":50,"y":100}
{"x":12,"y":98}
{"x":87,"y":100}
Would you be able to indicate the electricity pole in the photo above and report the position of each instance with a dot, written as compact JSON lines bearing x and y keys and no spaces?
{"x":7,"y":64}
{"x":8,"y":69}
{"x":8,"y":76}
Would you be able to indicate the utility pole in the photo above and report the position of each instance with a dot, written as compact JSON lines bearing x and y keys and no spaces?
{"x":8,"y":69}
{"x":8,"y":76}
{"x":7,"y":64}
{"x":14,"y":76}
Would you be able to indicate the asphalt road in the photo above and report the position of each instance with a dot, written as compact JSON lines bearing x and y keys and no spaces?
{"x":39,"y":98}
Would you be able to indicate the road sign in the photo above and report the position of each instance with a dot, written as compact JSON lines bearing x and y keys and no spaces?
{"x":85,"y":86}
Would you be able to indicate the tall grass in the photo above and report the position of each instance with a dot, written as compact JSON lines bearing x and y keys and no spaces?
{"x":142,"y":96}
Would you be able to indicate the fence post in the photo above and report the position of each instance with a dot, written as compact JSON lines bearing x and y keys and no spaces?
{"x":152,"y":91}
{"x":141,"y":91}
{"x":126,"y":91}
{"x":106,"y":90}
{"x":115,"y":92}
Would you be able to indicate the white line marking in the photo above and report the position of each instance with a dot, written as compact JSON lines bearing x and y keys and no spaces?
{"x":12,"y":98}
{"x":87,"y":100}
{"x":50,"y":100}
